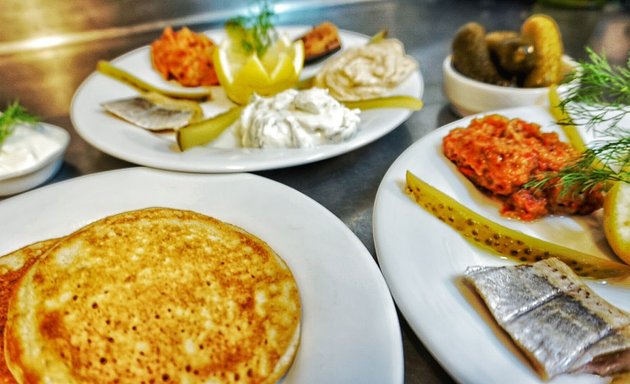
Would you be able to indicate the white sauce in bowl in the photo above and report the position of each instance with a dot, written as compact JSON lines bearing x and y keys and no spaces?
{"x":31,"y":147}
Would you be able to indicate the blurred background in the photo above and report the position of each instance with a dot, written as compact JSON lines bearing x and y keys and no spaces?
{"x":50,"y":46}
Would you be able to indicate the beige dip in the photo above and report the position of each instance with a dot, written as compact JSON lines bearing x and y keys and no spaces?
{"x":368,"y":71}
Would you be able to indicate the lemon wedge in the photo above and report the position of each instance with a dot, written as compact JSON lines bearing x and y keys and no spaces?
{"x":241,"y":73}
{"x":617,"y":219}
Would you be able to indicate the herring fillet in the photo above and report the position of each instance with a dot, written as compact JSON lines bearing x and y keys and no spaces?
{"x":560,"y":323}
{"x":148,"y":115}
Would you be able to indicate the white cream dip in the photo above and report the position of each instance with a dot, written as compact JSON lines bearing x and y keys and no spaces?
{"x":27,"y":147}
{"x":368,"y":71}
{"x":296,"y":119}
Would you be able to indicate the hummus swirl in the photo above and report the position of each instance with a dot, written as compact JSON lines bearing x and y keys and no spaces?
{"x":367,"y":71}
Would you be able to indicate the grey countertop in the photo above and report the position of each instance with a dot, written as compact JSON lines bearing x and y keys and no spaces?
{"x":47,"y":48}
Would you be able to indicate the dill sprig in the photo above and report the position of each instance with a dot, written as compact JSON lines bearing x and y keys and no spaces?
{"x":598,"y":95}
{"x":13,"y":115}
{"x":598,"y":98}
{"x":596,"y":167}
{"x":256,"y":32}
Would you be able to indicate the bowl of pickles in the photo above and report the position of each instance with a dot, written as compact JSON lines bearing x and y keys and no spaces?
{"x":503,"y":69}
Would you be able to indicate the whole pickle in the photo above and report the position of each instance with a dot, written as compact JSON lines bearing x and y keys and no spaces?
{"x":471,"y":56}
{"x":543,"y":31}
{"x":496,"y":37}
{"x":512,"y":53}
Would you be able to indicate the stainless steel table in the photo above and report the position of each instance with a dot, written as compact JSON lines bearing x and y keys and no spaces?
{"x":47,"y":48}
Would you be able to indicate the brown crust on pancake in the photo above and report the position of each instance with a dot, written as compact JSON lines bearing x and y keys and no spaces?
{"x":12,"y":267}
{"x":155,"y":295}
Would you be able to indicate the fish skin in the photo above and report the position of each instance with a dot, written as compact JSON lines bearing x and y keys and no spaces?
{"x":559,"y":323}
{"x":597,"y":359}
{"x":147,"y":114}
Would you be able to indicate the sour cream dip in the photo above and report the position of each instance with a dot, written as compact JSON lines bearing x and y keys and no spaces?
{"x":296,"y":119}
{"x":28,"y":147}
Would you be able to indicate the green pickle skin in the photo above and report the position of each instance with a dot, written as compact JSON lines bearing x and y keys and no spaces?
{"x":507,"y":242}
{"x":108,"y":69}
{"x":204,"y":131}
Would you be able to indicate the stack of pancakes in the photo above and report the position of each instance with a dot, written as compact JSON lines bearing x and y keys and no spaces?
{"x":154,"y":295}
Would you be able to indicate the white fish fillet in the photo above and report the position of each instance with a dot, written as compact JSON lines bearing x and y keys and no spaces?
{"x":155,"y":112}
{"x":556,"y":319}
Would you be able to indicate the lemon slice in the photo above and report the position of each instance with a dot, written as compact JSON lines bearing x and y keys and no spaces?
{"x":242,"y":74}
{"x":617,"y":219}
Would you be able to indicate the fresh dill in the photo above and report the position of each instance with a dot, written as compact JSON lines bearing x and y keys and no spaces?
{"x":588,"y":172}
{"x":256,"y":32}
{"x":598,"y":95}
{"x":14,"y":114}
{"x":597,"y":98}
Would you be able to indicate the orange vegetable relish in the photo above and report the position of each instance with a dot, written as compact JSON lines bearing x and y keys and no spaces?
{"x":184,"y":56}
{"x":500,"y":155}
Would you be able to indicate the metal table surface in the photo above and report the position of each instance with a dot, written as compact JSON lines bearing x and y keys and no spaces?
{"x":47,"y":48}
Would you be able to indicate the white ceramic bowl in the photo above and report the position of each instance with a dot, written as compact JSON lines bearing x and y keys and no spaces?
{"x":468,"y":96}
{"x":39,"y":172}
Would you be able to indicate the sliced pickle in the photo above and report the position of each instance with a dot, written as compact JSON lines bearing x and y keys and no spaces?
{"x":379,"y":36}
{"x":508,"y":242}
{"x":112,"y":71}
{"x":408,"y":102}
{"x":204,"y":131}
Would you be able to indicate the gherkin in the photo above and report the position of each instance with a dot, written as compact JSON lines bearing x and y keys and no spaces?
{"x":508,"y":242}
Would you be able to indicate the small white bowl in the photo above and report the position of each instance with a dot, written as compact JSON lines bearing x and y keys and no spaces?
{"x":29,"y":177}
{"x":468,"y":96}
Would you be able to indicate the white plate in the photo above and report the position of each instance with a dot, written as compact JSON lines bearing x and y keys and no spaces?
{"x":350,"y":330}
{"x":422,"y":260}
{"x":128,"y":142}
{"x":38,"y":172}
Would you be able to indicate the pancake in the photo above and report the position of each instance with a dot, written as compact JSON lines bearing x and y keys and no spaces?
{"x":12,"y":267}
{"x":155,"y":295}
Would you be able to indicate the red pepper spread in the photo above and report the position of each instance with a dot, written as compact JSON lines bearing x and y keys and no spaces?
{"x":500,"y":155}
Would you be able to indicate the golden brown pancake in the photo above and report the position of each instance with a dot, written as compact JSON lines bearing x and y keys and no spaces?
{"x":155,"y":295}
{"x":12,"y":267}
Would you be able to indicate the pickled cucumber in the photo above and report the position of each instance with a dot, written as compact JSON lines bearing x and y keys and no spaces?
{"x":496,"y":37}
{"x":508,"y":242}
{"x":204,"y":131}
{"x":543,"y":31}
{"x":512,"y":53}
{"x":471,"y":56}
{"x":114,"y":72}
{"x":400,"y":101}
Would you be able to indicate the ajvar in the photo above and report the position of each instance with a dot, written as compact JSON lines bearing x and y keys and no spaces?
{"x":500,"y":155}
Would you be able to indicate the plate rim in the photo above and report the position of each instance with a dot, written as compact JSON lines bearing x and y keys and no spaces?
{"x":388,"y":265}
{"x":391,"y":337}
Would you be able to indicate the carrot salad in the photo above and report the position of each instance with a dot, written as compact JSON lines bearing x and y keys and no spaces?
{"x":184,"y":56}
